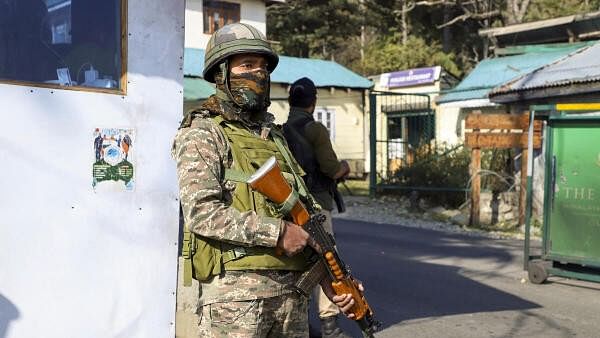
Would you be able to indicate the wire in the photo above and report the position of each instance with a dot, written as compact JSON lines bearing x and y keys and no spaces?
{"x":79,"y":71}
{"x":488,"y":172}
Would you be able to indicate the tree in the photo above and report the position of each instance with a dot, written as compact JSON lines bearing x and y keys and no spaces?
{"x":545,"y":9}
{"x":400,"y":34}
{"x":312,"y":28}
{"x":387,"y":55}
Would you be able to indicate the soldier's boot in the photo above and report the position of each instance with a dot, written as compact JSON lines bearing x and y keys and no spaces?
{"x":330,"y":328}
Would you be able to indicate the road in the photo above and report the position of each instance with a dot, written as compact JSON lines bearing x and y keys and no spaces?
{"x":425,"y":283}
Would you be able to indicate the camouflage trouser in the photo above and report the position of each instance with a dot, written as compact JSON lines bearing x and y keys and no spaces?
{"x":282,"y":316}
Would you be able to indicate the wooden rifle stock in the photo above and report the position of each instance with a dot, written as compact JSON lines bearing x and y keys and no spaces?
{"x":269,"y":181}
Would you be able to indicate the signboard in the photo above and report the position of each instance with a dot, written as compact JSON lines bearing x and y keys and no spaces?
{"x":411,"y":77}
{"x":502,"y":131}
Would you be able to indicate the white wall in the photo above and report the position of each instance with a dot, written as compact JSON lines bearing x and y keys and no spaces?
{"x":76,"y":263}
{"x":448,"y":126}
{"x":450,"y":118}
{"x":252,"y":12}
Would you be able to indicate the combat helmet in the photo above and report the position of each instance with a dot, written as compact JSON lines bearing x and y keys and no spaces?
{"x":235,"y":39}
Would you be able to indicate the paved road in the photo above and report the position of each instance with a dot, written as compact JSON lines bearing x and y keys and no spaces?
{"x":425,"y":283}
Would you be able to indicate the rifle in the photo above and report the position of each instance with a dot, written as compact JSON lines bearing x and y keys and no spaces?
{"x":338,"y":199}
{"x":269,"y":181}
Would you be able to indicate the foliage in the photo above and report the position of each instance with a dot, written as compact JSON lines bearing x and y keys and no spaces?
{"x":312,"y":28}
{"x":544,"y":9}
{"x":438,"y":168}
{"x":498,"y":161}
{"x":388,"y":55}
{"x":449,"y":167}
{"x":374,"y":36}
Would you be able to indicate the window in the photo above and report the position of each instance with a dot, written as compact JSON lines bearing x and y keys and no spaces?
{"x":395,"y":142}
{"x":327,"y":117}
{"x":67,"y":43}
{"x":218,"y":14}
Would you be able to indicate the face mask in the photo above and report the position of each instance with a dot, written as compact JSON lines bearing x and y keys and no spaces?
{"x":250,"y":90}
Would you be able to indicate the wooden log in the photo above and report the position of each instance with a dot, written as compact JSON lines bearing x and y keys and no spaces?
{"x":523,"y":191}
{"x":475,"y":185}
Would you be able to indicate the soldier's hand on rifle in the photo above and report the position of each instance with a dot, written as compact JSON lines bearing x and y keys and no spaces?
{"x":292,"y":239}
{"x":343,"y":301}
{"x":343,"y":171}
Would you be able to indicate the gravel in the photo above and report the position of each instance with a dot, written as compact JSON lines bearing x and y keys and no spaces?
{"x":395,"y":211}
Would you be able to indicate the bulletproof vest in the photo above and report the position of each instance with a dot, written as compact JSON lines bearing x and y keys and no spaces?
{"x":304,"y":153}
{"x":210,"y":257}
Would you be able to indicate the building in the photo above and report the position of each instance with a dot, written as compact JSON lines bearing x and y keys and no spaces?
{"x":566,"y":29}
{"x":203,"y":17}
{"x":517,"y":50}
{"x":471,"y":94}
{"x":405,"y":108}
{"x":573,"y":78}
{"x":340,"y":104}
{"x":341,"y":92}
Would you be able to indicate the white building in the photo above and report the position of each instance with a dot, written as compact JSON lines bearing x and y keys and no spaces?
{"x":203,"y":17}
{"x":341,"y":92}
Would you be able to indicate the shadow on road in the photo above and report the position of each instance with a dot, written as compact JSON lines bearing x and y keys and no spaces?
{"x":8,"y":313}
{"x":401,"y":287}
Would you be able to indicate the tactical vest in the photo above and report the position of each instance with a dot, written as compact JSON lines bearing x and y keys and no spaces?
{"x":205,"y":257}
{"x":304,"y":153}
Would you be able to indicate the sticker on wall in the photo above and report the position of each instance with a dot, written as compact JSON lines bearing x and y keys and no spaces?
{"x":114,"y":164}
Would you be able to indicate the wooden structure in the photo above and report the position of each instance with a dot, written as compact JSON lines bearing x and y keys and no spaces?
{"x":498,"y":131}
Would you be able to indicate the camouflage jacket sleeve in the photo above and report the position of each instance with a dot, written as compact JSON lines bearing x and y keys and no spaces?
{"x":202,"y":153}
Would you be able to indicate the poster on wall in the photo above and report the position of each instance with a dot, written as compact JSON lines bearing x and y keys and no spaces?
{"x":114,"y":159}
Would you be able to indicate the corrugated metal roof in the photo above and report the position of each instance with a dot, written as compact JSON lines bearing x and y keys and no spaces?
{"x":541,"y":48}
{"x":322,"y":73}
{"x":490,"y":73}
{"x":582,"y":66}
{"x":585,"y":26}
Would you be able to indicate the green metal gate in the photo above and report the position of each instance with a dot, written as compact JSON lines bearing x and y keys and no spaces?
{"x":402,"y":128}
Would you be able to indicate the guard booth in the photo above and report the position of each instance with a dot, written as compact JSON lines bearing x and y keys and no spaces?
{"x":91,"y":95}
{"x":571,"y":221}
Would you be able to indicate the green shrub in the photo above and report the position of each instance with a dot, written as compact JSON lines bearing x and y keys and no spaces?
{"x":445,"y":167}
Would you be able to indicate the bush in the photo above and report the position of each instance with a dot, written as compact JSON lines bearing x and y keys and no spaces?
{"x":445,"y":167}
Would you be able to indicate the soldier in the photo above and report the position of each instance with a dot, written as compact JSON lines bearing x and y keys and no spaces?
{"x":246,"y":288}
{"x":309,"y":142}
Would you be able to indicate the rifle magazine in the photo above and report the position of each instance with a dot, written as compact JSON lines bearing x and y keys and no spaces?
{"x":311,"y":278}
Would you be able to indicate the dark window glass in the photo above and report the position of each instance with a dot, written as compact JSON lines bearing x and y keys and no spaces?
{"x":394,"y":127}
{"x":65,"y":42}
{"x":218,"y":14}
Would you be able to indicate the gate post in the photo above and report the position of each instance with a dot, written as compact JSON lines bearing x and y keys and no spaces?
{"x":372,"y":143}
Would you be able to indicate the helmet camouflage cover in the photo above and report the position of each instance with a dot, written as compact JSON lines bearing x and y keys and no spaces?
{"x":232,"y":39}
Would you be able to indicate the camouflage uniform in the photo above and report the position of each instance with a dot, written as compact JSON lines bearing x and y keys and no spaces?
{"x":251,"y":303}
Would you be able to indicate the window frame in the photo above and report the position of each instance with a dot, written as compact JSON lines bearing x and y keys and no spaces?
{"x":324,"y":111}
{"x":206,"y":17}
{"x":122,"y":90}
